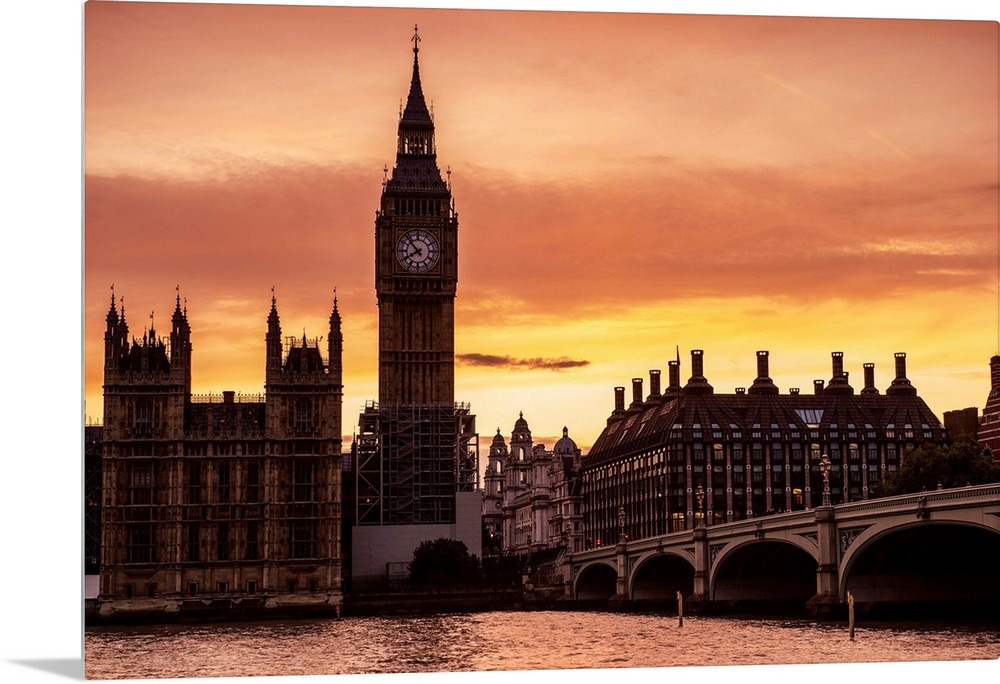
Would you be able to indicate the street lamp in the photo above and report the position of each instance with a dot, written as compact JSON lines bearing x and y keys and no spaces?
{"x":824,"y":467}
{"x":700,"y":495}
{"x":621,"y":524}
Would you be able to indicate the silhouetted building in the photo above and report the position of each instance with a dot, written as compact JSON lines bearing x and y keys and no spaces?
{"x":532,"y":497}
{"x":962,"y":422}
{"x":988,"y":433}
{"x":219,"y":502}
{"x":750,"y":453}
{"x":416,"y":452}
{"x":93,"y":443}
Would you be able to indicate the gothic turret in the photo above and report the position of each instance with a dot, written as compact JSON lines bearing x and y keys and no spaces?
{"x":115,"y":335}
{"x":335,"y":342}
{"x":272,"y":341}
{"x":180,"y":344}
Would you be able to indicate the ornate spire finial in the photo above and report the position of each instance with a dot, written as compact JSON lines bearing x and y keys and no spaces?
{"x":334,"y":298}
{"x":415,"y":39}
{"x":273,"y":300}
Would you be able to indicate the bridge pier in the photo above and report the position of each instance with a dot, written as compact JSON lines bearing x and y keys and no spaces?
{"x":826,"y":602}
{"x":701,"y":599}
{"x":621,"y":597}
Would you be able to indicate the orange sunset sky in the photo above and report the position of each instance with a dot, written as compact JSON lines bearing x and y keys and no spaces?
{"x":627,"y":185}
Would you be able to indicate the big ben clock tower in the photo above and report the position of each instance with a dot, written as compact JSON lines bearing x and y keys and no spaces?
{"x":416,"y":265}
{"x":416,"y":459}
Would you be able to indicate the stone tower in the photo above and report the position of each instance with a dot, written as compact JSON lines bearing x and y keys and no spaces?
{"x":416,"y":265}
{"x":416,"y":461}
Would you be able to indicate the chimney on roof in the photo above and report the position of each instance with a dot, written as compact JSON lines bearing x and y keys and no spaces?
{"x":763,"y":383}
{"x":619,"y":411}
{"x":636,"y":393}
{"x":869,"y":387}
{"x":838,"y":383}
{"x":794,"y":391}
{"x":654,"y":385}
{"x":741,"y":390}
{"x":674,"y":377}
{"x":697,"y":384}
{"x":817,"y":387}
{"x":901,"y":385}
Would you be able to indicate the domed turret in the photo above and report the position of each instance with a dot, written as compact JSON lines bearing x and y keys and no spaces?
{"x":565,"y":446}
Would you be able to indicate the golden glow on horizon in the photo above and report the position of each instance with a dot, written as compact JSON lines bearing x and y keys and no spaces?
{"x":626,"y":184}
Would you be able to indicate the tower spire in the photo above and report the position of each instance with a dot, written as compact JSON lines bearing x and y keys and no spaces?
{"x":416,"y":112}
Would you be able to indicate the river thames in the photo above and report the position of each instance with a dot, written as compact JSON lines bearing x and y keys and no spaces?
{"x":513,"y":641}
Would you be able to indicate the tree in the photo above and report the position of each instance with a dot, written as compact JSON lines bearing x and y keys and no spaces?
{"x":444,"y":562}
{"x":963,"y":462}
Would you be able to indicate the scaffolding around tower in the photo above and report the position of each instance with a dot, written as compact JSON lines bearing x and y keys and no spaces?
{"x":411,"y":461}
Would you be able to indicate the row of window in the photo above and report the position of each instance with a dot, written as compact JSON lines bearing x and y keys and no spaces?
{"x":222,"y":587}
{"x":200,"y":545}
{"x":736,"y":453}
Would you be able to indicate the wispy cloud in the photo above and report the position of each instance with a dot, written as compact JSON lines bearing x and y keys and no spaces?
{"x":511,"y":363}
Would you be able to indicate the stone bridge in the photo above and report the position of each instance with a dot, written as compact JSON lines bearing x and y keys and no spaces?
{"x":938,"y":547}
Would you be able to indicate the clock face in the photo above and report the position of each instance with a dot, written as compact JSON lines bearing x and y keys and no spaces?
{"x":417,"y":251}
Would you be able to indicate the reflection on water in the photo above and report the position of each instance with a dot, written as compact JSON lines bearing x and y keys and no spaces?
{"x":510,"y":641}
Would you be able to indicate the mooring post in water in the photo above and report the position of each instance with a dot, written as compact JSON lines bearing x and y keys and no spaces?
{"x":680,"y":610}
{"x":338,"y":612}
{"x":850,"y":614}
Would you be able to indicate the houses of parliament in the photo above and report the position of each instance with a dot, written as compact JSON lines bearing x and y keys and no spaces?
{"x":211,"y":498}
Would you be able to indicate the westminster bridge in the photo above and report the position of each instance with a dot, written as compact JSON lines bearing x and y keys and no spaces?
{"x":940,"y":546}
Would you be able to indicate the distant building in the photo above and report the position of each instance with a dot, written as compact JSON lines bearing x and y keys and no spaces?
{"x":988,"y":432}
{"x":532,"y":497}
{"x":224,"y":501}
{"x":962,"y":422}
{"x":688,"y":453}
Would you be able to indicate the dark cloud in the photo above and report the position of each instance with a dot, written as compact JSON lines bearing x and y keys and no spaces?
{"x":509,"y":362}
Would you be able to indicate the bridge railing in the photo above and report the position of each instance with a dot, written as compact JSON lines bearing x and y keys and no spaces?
{"x":973,"y":494}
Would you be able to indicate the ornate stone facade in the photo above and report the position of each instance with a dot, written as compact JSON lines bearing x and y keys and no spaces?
{"x":222,"y":502}
{"x":532,"y":500}
{"x":416,"y":461}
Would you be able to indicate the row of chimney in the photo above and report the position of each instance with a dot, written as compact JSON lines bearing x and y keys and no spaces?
{"x":697,"y":384}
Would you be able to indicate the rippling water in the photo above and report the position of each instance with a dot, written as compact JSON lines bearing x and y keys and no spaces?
{"x":510,"y":641}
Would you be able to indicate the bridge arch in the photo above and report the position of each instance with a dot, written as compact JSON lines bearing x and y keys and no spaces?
{"x":657,"y":577}
{"x":772,"y":573}
{"x":947,"y":563}
{"x":597,"y":581}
